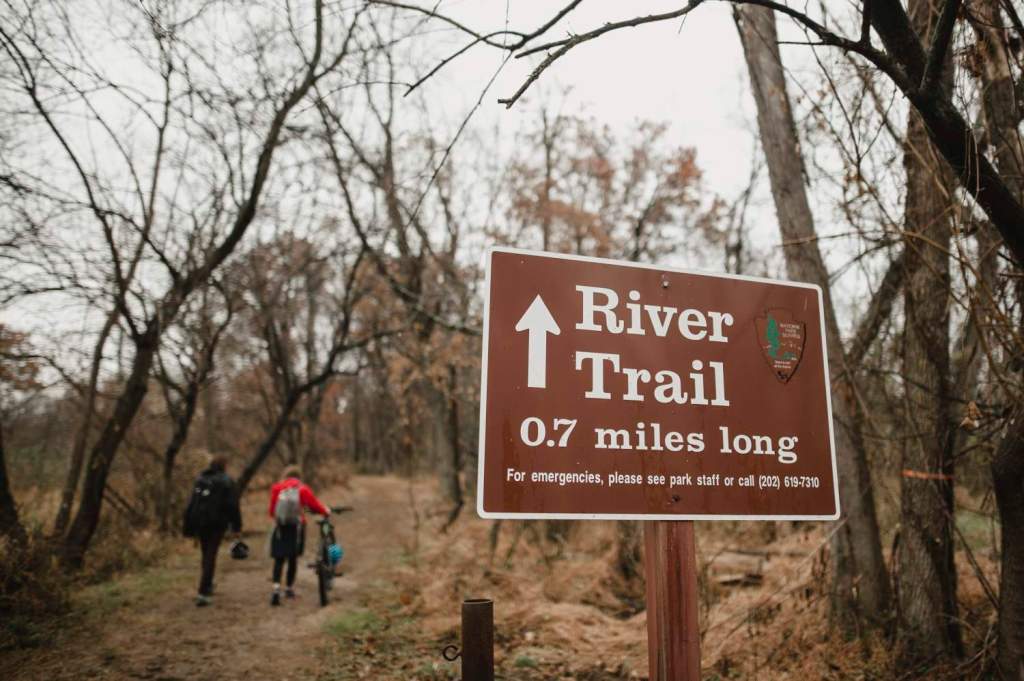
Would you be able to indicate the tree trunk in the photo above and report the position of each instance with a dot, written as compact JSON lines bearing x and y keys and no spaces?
{"x":925,"y":571}
{"x":444,"y":451}
{"x":999,"y":98}
{"x":105,"y":449}
{"x":270,"y":441}
{"x":926,"y":578}
{"x":860,"y":587}
{"x":74,"y":474}
{"x":167,"y":485}
{"x":456,"y":447}
{"x":102,"y":455}
{"x":292,"y":437}
{"x":355,"y":406}
{"x":1008,"y":479}
{"x":628,"y":576}
{"x":212,"y":434}
{"x":946,"y":127}
{"x":182,"y":426}
{"x":628,"y":551}
{"x":1002,"y":113}
{"x":310,"y":459}
{"x":10,"y":524}
{"x":283,"y":422}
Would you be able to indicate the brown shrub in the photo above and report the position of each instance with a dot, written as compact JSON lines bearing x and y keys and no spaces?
{"x":122,"y":546}
{"x":33,"y":592}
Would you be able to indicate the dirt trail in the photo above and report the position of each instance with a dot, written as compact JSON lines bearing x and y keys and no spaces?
{"x":146,"y":626}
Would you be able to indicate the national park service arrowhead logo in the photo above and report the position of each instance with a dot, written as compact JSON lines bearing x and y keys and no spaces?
{"x":781,"y":338}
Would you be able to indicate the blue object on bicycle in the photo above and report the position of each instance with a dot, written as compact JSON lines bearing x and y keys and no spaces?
{"x":335,"y":553}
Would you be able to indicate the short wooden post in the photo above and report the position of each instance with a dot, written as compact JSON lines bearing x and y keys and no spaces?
{"x":673,"y":632}
{"x":478,"y":639}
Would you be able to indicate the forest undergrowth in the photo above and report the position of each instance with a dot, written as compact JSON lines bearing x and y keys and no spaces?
{"x":561,"y":612}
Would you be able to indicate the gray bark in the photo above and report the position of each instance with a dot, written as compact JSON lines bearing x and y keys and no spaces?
{"x":181,"y":424}
{"x":1008,"y":479}
{"x":925,"y":569}
{"x":946,"y":127}
{"x":455,"y":481}
{"x":74,"y":473}
{"x":926,"y":579}
{"x":439,"y":427}
{"x":1002,"y":112}
{"x":860,"y":587}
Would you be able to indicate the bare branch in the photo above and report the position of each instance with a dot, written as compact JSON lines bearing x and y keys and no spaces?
{"x":452,"y":22}
{"x":941,"y":40}
{"x":878,"y":311}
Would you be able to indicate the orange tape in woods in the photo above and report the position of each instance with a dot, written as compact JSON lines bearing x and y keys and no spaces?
{"x":907,"y":473}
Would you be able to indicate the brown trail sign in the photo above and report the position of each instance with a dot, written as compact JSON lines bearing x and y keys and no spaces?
{"x":618,"y":390}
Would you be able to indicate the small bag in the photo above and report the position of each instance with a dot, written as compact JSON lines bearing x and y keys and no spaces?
{"x":204,"y":507}
{"x":289,"y":507}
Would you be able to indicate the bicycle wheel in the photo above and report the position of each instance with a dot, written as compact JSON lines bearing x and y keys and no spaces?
{"x":322,"y":582}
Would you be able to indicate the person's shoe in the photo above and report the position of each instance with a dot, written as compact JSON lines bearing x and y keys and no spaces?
{"x":275,"y":598}
{"x":289,"y":593}
{"x":203,"y":601}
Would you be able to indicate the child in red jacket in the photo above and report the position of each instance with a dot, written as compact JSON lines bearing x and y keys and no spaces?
{"x":288,"y":499}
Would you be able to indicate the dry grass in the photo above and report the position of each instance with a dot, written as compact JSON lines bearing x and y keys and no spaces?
{"x":35,"y":591}
{"x":555,"y":606}
{"x":561,"y":611}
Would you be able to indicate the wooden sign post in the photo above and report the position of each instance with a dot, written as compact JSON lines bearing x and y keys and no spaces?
{"x":673,"y":632}
{"x":613,"y":390}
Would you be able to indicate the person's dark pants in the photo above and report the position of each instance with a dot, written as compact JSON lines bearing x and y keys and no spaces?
{"x":292,"y":566}
{"x":209,"y":543}
{"x":286,"y":545}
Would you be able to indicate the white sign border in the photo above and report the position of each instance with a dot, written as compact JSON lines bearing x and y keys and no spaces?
{"x":488,"y":257}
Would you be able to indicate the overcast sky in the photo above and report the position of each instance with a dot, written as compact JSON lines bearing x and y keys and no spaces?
{"x":690,"y":74}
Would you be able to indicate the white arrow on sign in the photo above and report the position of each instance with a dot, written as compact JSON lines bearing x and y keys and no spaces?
{"x":538,"y":321}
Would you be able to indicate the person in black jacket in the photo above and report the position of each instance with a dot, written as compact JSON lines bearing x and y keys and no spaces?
{"x":212,"y":510}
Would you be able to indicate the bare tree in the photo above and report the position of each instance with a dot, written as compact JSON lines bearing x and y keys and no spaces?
{"x":860,"y":589}
{"x":393,"y":211}
{"x":925,"y":574}
{"x":217,"y":193}
{"x":1008,"y":478}
{"x":302,"y":378}
{"x":911,"y":62}
{"x":181,"y":386}
{"x":914,"y":58}
{"x":997,"y":28}
{"x":19,"y":368}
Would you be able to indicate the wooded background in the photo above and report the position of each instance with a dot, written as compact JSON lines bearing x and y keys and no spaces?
{"x":247,"y":232}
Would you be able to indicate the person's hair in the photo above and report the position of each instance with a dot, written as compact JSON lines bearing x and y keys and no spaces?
{"x":218,"y":462}
{"x":291,"y":471}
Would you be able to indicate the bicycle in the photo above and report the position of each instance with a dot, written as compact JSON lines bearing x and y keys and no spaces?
{"x":324,"y":565}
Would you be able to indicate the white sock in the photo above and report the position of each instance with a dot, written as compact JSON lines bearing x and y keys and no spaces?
{"x":277,"y":587}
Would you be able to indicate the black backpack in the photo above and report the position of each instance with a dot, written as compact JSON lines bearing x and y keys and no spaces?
{"x":205,"y":508}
